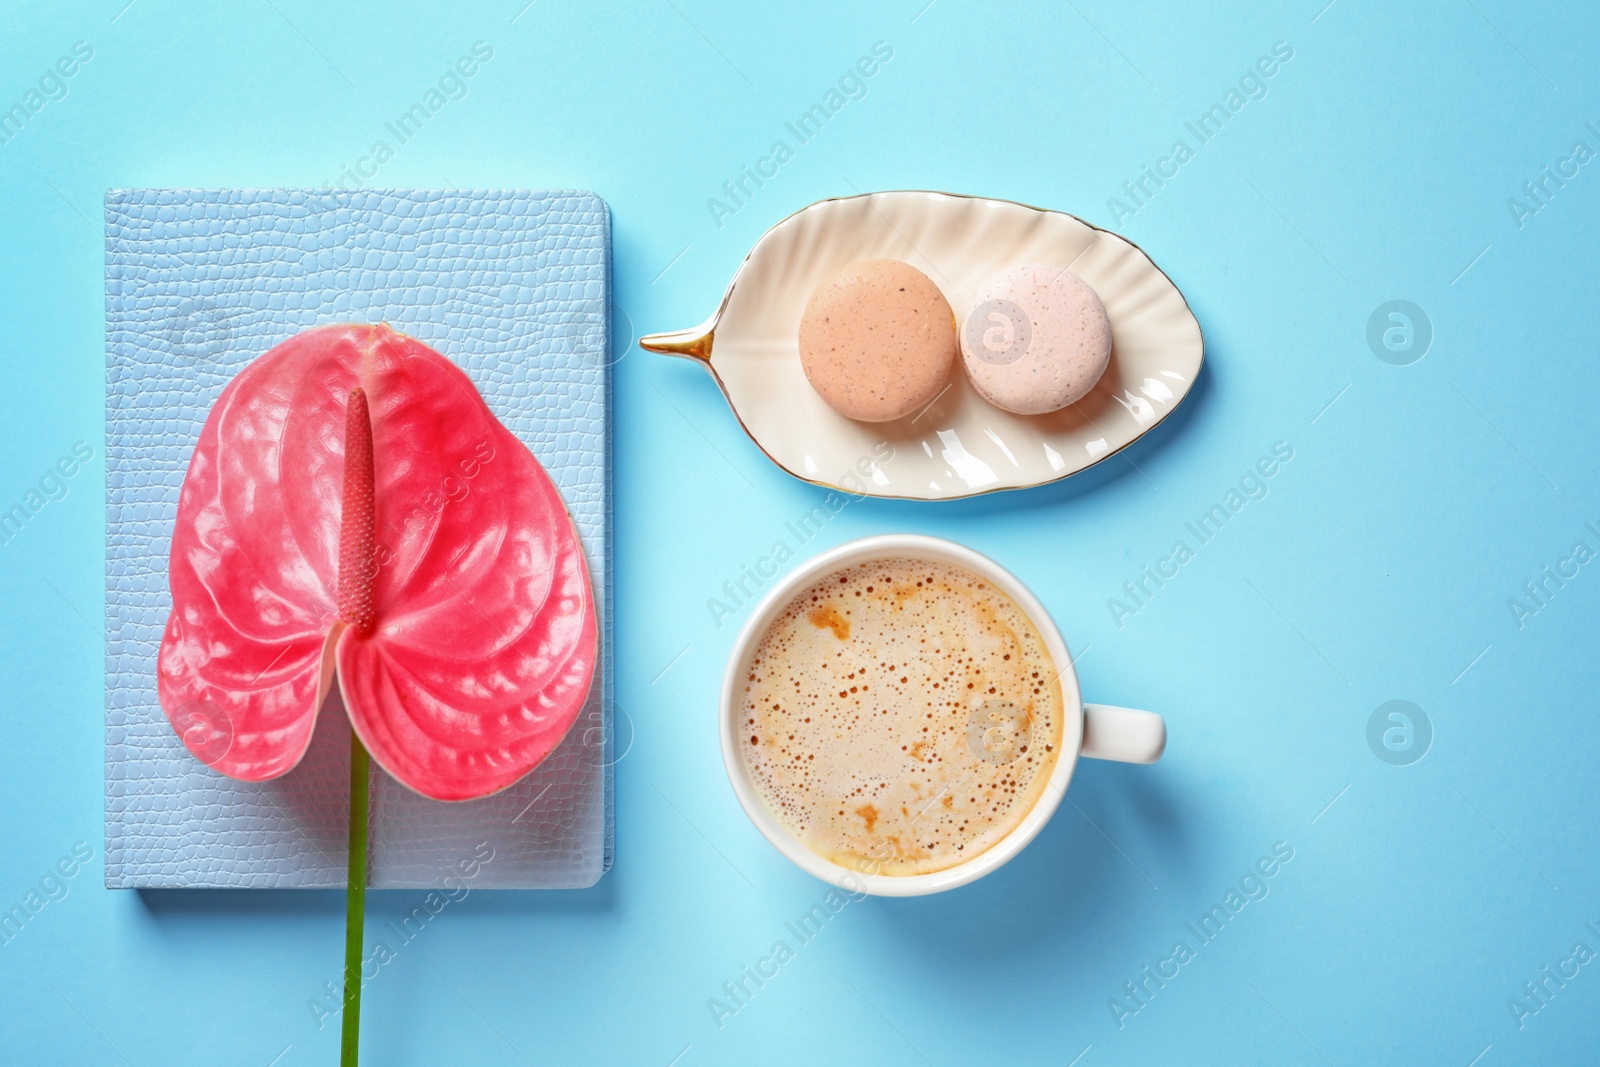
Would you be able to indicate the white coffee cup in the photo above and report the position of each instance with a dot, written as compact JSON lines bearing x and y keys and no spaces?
{"x":1094,"y":730}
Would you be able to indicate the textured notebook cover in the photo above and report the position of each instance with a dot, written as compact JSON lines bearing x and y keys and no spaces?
{"x":514,"y":287}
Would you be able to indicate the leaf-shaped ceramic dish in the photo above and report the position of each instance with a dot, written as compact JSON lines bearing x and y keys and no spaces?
{"x":960,"y":445}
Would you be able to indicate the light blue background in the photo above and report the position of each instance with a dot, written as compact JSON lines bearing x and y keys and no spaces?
{"x":1378,"y":166}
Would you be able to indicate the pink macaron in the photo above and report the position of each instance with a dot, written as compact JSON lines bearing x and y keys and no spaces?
{"x":1036,"y":340}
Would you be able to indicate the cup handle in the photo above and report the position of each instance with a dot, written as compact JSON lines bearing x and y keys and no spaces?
{"x":1123,"y":734}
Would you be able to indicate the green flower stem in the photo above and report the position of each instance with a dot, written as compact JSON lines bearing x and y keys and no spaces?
{"x":355,"y":904}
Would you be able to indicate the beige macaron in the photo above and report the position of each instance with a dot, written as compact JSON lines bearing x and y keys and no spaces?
{"x":877,"y":340}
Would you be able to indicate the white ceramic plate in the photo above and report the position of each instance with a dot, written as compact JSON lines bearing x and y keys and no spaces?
{"x":961,"y":445}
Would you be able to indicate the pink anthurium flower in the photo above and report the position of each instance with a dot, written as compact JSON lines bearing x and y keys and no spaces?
{"x":354,"y":512}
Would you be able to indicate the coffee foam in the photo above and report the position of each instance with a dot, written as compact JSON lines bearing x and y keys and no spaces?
{"x":901,"y":716}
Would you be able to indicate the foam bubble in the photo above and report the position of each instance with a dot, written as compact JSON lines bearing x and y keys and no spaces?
{"x":901,"y":716}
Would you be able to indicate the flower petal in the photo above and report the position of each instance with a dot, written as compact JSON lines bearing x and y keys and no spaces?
{"x":485,"y":638}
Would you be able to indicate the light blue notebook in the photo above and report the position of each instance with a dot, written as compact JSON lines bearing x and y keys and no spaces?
{"x":514,"y":287}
